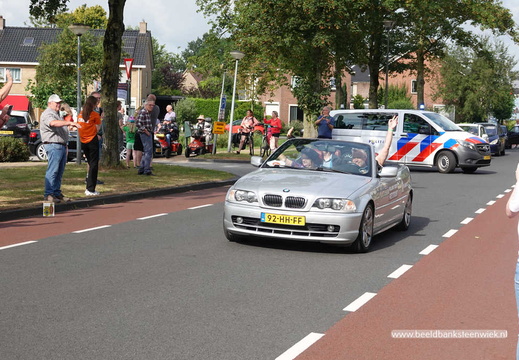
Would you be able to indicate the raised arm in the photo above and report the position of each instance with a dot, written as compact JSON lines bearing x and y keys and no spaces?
{"x":382,"y":155}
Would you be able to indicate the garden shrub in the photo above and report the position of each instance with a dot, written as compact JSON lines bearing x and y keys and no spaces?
{"x":13,"y":150}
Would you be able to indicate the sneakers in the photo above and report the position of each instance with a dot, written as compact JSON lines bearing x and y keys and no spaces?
{"x":63,"y":198}
{"x":92,"y":193}
{"x":50,"y":198}
{"x":99,"y":182}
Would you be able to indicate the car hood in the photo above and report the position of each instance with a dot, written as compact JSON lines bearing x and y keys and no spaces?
{"x":302,"y":182}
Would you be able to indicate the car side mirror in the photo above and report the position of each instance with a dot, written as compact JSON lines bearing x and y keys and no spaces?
{"x":256,"y":161}
{"x":388,"y":171}
{"x":485,"y":137}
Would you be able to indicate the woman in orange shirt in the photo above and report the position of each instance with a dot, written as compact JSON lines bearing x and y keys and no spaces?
{"x":275,"y":129}
{"x":90,"y":124}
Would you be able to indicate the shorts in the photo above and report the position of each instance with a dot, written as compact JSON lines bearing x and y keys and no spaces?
{"x":275,"y":135}
{"x":138,"y":143}
{"x":130,"y":146}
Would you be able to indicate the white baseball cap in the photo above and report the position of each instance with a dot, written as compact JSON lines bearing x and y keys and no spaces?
{"x":54,"y":98}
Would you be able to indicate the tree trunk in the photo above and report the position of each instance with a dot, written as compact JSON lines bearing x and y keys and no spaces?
{"x":420,"y":78}
{"x":110,"y":79}
{"x":340,"y":96}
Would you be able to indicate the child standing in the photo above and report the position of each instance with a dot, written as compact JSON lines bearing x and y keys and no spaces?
{"x":130,"y":130}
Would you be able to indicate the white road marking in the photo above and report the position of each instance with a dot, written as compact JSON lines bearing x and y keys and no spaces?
{"x":508,"y":190}
{"x":491,"y":202}
{"x":429,"y":249}
{"x":151,"y":216}
{"x":467,"y":220}
{"x":364,"y":298}
{"x":301,"y":346}
{"x":91,"y":229}
{"x":400,"y":271}
{"x":501,"y":195}
{"x":15,"y":245}
{"x":199,"y":207}
{"x":449,"y":233}
{"x":479,"y":211}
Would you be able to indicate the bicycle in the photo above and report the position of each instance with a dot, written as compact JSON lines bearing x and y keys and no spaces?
{"x":249,"y":140}
{"x":265,"y":142}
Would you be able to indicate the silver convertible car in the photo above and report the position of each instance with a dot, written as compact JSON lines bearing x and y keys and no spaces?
{"x":319,"y":190}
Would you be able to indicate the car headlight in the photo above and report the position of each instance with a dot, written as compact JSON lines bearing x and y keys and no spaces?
{"x":335,"y":204}
{"x":493,"y":142}
{"x":467,"y":144}
{"x":242,"y":195}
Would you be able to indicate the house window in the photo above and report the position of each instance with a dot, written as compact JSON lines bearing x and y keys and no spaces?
{"x":295,"y":113}
{"x":16,"y":73}
{"x":413,"y":87}
{"x":332,"y":84}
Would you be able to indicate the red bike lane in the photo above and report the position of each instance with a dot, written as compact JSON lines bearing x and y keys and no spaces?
{"x":35,"y":228}
{"x":467,"y":283}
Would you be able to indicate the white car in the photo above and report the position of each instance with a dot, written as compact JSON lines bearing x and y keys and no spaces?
{"x":327,"y":191}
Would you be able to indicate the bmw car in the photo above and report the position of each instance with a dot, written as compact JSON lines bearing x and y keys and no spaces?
{"x":319,"y":190}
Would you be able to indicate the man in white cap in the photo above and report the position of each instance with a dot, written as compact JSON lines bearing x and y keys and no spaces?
{"x":54,"y":135}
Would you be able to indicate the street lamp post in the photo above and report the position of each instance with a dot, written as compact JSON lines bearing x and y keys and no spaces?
{"x":388,"y":25}
{"x":237,"y":55}
{"x":78,"y":30}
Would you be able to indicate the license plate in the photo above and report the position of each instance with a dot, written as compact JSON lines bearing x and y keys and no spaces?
{"x":6,"y":132}
{"x":486,"y":157}
{"x":158,"y":150}
{"x":283,"y":219}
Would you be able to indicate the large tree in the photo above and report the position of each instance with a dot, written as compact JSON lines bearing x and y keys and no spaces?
{"x":478,"y":83}
{"x":110,"y":71}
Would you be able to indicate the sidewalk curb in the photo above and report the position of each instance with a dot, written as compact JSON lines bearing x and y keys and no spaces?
{"x":111,"y":199}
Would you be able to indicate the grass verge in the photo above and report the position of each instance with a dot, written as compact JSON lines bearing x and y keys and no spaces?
{"x":23,"y":186}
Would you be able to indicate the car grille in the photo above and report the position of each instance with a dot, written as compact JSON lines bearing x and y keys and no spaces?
{"x":291,"y":202}
{"x":309,"y":230}
{"x":483,"y":148}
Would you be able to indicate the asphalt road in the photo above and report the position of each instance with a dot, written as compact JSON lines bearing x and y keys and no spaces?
{"x":172,"y":286}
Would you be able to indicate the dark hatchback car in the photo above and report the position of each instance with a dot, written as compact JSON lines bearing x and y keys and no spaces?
{"x":513,"y":137}
{"x":496,"y":138}
{"x":36,"y":146}
{"x":18,"y":126}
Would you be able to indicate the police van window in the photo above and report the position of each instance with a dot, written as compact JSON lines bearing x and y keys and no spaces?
{"x":348,"y":121}
{"x":376,"y":122}
{"x":414,"y":124}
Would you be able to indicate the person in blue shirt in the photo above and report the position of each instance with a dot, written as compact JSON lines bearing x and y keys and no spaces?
{"x":325,"y":124}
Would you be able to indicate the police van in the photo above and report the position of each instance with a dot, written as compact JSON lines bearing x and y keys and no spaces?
{"x":421,"y":138}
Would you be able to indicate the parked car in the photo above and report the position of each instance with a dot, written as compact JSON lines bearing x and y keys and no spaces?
{"x":18,"y":126}
{"x":496,"y":138}
{"x":512,"y":137}
{"x":476,"y":129}
{"x":290,"y":197}
{"x":236,"y":124}
{"x":36,"y":146}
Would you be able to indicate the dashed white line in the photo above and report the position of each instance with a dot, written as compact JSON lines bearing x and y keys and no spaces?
{"x":491,"y":202}
{"x":364,"y":298}
{"x":15,"y":245}
{"x":479,"y":211}
{"x":501,"y":195}
{"x":429,"y":249}
{"x":467,"y":220}
{"x":450,"y":233}
{"x":508,"y":190}
{"x":91,"y":229}
{"x":151,"y":216}
{"x":301,"y":346}
{"x":199,"y":207}
{"x":400,"y":271}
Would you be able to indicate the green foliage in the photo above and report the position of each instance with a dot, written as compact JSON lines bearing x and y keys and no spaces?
{"x":207,"y":107}
{"x":397,"y":97}
{"x":358,"y":101}
{"x":241,"y":107}
{"x":93,"y":16}
{"x":478,"y":83}
{"x":13,"y":150}
{"x":186,"y":110}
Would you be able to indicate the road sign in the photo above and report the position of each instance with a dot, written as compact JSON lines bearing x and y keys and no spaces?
{"x":219,"y":127}
{"x":221,"y":115}
{"x":128,"y":63}
{"x":223,"y":103}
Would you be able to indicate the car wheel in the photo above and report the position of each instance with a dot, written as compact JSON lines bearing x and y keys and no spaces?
{"x":406,"y":218}
{"x":123,"y":154}
{"x":232,"y":237}
{"x":446,"y":162}
{"x":179,"y":149}
{"x":41,"y":153}
{"x":188,"y":152}
{"x":168,"y":152}
{"x":469,"y":170}
{"x":502,"y":152}
{"x":363,"y":241}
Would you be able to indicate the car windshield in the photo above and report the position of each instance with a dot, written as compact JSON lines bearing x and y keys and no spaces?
{"x":473,"y":129}
{"x":491,"y":130}
{"x":443,"y":122}
{"x":323,"y":155}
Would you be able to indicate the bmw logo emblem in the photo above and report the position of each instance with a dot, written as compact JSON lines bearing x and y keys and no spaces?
{"x":286,"y":190}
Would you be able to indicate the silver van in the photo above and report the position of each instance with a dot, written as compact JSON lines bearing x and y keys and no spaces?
{"x":421,"y":138}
